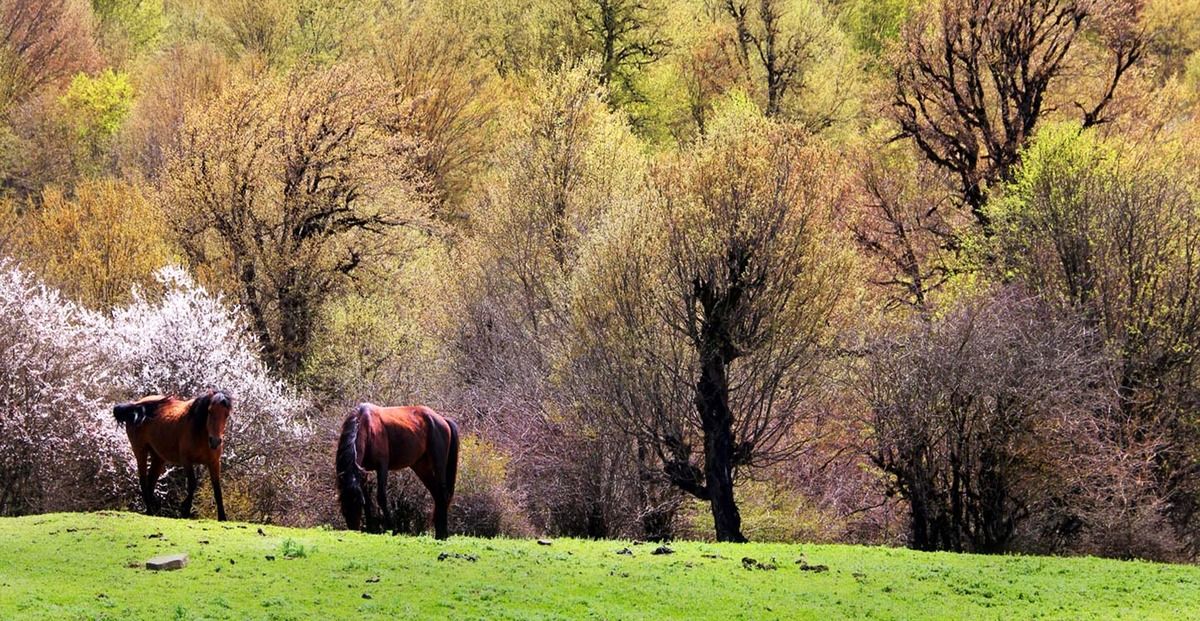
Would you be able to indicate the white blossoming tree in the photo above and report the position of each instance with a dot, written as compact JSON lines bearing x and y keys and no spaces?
{"x":57,"y":449}
{"x":185,"y":341}
{"x":62,"y":367}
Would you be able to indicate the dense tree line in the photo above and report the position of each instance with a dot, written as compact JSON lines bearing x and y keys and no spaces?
{"x":917,"y":271}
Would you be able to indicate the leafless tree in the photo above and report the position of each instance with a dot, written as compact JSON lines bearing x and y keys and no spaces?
{"x":964,"y":412}
{"x":42,"y":42}
{"x":291,"y":187}
{"x":763,"y":42}
{"x":974,"y":77}
{"x":708,"y":335}
{"x":906,"y":226}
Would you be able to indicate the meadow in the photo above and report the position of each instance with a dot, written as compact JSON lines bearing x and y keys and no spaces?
{"x":91,"y":566}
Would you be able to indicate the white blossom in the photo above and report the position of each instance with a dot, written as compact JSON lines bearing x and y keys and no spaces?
{"x":187,"y":341}
{"x":62,"y":367}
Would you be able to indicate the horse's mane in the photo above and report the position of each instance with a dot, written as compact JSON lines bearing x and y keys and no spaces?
{"x":197,"y":412}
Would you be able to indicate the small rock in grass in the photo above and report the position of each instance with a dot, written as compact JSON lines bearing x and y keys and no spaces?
{"x":167,"y":562}
{"x":749,"y":563}
{"x":804,"y":566}
{"x":466,"y":557}
{"x":663,"y":550}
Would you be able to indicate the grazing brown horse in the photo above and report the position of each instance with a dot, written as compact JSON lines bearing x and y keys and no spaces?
{"x":380,"y":439}
{"x":168,"y":430}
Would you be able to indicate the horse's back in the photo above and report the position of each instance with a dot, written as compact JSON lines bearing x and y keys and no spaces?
{"x":406,"y":429}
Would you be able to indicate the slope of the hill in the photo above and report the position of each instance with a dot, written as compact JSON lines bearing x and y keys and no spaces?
{"x":90,"y":566}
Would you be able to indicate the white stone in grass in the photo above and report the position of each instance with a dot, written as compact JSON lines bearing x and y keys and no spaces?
{"x":167,"y":562}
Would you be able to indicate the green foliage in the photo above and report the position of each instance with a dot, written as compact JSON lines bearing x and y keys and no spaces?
{"x":1048,"y":179}
{"x":290,"y":548}
{"x":873,"y":24}
{"x":376,"y":343}
{"x":97,"y":106}
{"x":626,"y":36}
{"x":771,"y":510}
{"x":567,"y":160}
{"x":137,"y":25}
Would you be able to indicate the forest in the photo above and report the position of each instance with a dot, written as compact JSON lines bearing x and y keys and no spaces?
{"x":901,"y":272}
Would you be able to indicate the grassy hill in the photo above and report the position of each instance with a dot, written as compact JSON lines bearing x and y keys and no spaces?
{"x":89,"y":566}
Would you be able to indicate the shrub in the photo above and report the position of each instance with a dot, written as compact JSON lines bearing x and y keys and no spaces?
{"x":64,"y":366}
{"x":97,"y":106}
{"x":95,"y":245}
{"x":484,"y":505}
{"x":58,"y":450}
{"x":186,"y":340}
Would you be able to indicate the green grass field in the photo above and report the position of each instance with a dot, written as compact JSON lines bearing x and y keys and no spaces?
{"x":90,"y":566}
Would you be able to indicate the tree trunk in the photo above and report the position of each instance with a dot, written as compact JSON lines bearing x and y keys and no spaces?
{"x":712,"y":402}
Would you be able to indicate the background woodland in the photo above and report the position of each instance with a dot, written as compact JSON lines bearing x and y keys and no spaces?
{"x":917,"y":272}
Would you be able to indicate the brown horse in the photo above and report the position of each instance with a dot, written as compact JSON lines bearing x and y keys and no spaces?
{"x":380,"y":439}
{"x":168,"y":430}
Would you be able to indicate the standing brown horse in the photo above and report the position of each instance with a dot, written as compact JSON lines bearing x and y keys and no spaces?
{"x":168,"y":430}
{"x":382,"y":439}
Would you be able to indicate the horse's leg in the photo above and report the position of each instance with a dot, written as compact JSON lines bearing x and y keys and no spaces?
{"x":214,"y":475}
{"x":143,"y":469}
{"x":441,"y":502}
{"x":157,"y":465}
{"x":441,"y":514}
{"x":370,"y":520}
{"x":186,"y":509}
{"x":381,"y":477}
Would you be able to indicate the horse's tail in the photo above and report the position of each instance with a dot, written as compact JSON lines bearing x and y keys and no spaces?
{"x":349,"y":473}
{"x":126,"y":413}
{"x":444,"y":449}
{"x":452,"y":459}
{"x":136,"y":412}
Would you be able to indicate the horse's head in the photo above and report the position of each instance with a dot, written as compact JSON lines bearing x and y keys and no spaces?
{"x":220,"y":407}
